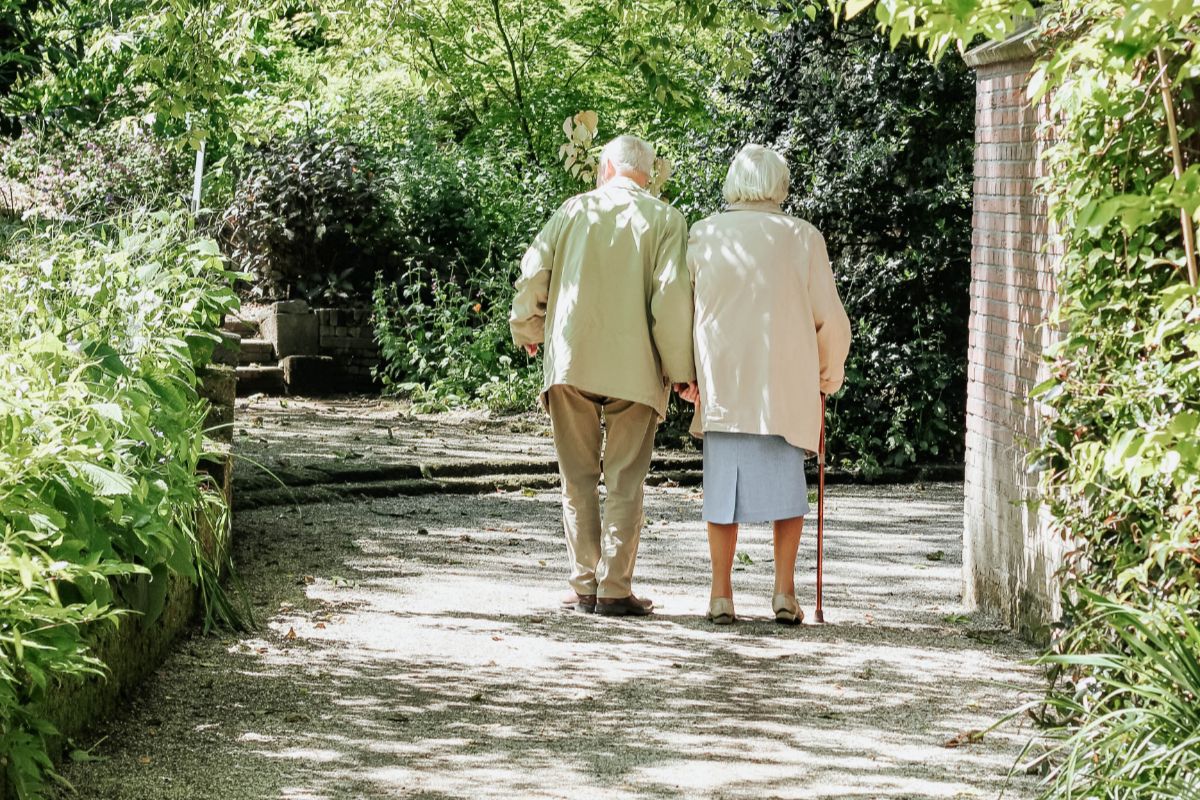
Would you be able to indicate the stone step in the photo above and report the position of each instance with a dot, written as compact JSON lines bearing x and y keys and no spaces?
{"x":228,"y":350}
{"x":257,"y":351}
{"x":245,"y":328}
{"x":260,"y":380}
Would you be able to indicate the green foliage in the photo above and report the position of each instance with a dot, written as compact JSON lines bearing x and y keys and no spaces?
{"x":309,"y":217}
{"x":95,"y":173}
{"x":879,"y":142}
{"x":1120,"y":452}
{"x":444,"y":347}
{"x":187,"y":67}
{"x":101,"y":333}
{"x":1119,"y":455}
{"x":1138,"y":734}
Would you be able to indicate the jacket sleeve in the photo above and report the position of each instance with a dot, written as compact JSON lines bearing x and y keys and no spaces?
{"x":671,"y":306}
{"x":833,"y":326}
{"x":528,"y":318}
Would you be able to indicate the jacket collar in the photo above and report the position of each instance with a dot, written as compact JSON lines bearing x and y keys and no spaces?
{"x":769,"y":206}
{"x":623,"y":182}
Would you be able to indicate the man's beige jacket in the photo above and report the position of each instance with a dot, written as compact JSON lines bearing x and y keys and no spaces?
{"x":771,"y":332}
{"x":605,"y":287}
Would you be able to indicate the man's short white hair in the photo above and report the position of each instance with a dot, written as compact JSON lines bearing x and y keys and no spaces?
{"x":630,"y":153}
{"x":757,"y":174}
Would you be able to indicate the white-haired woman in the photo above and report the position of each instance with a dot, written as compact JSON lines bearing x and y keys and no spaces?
{"x":771,"y":338}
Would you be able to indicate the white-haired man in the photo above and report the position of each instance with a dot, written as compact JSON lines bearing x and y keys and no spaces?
{"x":605,"y":287}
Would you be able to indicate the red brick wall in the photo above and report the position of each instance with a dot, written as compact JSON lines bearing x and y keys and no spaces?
{"x":1008,"y":559}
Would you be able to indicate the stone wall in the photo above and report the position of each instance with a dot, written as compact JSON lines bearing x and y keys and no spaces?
{"x":347,"y":336}
{"x":1009,"y":557}
{"x":133,"y":650}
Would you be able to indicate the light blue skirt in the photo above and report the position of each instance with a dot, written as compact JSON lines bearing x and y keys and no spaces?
{"x":750,"y":477}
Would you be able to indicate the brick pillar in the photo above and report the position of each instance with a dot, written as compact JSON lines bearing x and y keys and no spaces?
{"x":1009,"y":558}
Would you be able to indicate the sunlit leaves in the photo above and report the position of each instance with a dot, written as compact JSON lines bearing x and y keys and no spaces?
{"x":99,"y":444}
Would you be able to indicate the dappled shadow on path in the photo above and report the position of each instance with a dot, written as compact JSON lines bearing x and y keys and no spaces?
{"x":413,"y":648}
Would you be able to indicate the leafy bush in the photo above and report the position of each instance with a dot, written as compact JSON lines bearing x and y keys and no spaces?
{"x":444,"y":347}
{"x":1133,"y":724}
{"x":1120,"y":449}
{"x":879,"y":142}
{"x":309,"y":218}
{"x":95,"y":173}
{"x":101,"y":332}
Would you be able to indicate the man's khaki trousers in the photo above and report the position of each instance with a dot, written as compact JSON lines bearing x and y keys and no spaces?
{"x":602,"y":554}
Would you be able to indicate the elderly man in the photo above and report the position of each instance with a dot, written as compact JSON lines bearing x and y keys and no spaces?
{"x":605,"y":286}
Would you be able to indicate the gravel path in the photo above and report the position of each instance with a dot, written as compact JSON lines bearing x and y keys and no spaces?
{"x":411,"y":647}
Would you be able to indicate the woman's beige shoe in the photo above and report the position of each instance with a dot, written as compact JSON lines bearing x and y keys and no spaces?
{"x":787,"y":610}
{"x":720,"y":611}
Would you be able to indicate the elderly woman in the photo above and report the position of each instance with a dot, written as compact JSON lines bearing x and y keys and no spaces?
{"x":771,"y":338}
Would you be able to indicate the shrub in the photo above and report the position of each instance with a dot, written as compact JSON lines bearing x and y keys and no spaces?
{"x":445,"y":345}
{"x":309,"y":218}
{"x":95,"y":173}
{"x":1133,"y":724}
{"x":101,"y":332}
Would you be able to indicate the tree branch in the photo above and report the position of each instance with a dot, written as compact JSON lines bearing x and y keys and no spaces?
{"x":1189,"y":230}
{"x":522,"y":113}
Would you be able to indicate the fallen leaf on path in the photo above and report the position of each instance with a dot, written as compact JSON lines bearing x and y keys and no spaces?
{"x":744,"y":558}
{"x":320,"y":626}
{"x":964,"y":738}
{"x":291,"y":634}
{"x":143,"y":759}
{"x":936,"y":555}
{"x":536,"y":620}
{"x":497,"y":638}
{"x":529,"y":492}
{"x":84,"y":757}
{"x":541,"y":563}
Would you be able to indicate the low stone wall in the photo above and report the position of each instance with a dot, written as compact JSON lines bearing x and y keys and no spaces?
{"x":347,"y":336}
{"x":135,"y":648}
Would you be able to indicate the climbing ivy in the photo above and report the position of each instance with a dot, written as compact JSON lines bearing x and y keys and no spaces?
{"x":1119,"y":458}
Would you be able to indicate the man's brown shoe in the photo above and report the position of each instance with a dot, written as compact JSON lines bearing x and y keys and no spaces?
{"x":580,"y":602}
{"x":624,"y":607}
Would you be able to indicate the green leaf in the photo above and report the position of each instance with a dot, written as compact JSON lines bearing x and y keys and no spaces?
{"x":855,"y":7}
{"x":106,"y":482}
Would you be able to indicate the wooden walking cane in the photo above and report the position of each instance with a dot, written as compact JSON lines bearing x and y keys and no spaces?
{"x":819,"y":614}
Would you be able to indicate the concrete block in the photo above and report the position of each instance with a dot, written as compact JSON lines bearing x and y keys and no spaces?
{"x":292,"y":334}
{"x":312,"y":375}
{"x":228,"y":349}
{"x":289,"y":307}
{"x":218,"y":385}
{"x":256,"y":351}
{"x":260,"y":380}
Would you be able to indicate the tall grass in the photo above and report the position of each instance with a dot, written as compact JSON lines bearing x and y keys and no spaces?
{"x":1128,"y":727}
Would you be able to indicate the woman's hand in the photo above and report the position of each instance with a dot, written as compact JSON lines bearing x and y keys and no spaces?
{"x":689,"y":391}
{"x":531,"y":349}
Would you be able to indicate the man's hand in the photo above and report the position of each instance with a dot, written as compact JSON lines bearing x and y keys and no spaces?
{"x":689,"y":391}
{"x":532,"y":349}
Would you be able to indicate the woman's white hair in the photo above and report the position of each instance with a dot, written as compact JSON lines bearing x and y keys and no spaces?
{"x":757,"y":173}
{"x":629,"y":153}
